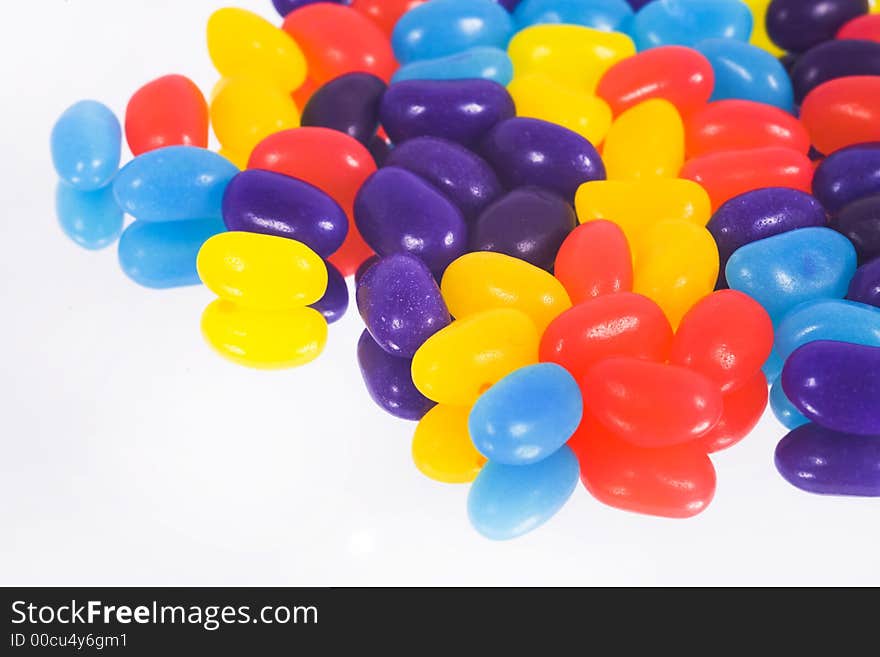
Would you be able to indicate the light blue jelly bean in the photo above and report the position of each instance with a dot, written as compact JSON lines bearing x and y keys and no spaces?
{"x":91,"y":219}
{"x":773,"y":366}
{"x":785,"y":270}
{"x":506,"y":501}
{"x":828,"y":319}
{"x":607,"y":15}
{"x":783,"y":409}
{"x":686,"y":22}
{"x":746,"y":72}
{"x":174,"y":183}
{"x":480,"y":62}
{"x":527,"y":415}
{"x":445,"y":27}
{"x":85,"y":145}
{"x":163,"y":254}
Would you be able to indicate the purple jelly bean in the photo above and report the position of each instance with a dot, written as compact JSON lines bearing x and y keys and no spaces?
{"x":865,"y":284}
{"x":271,"y":203}
{"x":509,"y":5}
{"x":459,"y":110}
{"x":284,"y":7}
{"x":389,"y":381}
{"x":462,"y":175}
{"x":529,"y":223}
{"x":349,"y":104}
{"x":401,"y":304}
{"x":363,"y":267}
{"x":788,"y":60}
{"x":798,"y":25}
{"x":831,"y":60}
{"x":847,"y":175}
{"x":334,"y":303}
{"x":398,"y":212}
{"x":533,"y":152}
{"x":860,"y":222}
{"x":380,"y":149}
{"x":818,"y":460}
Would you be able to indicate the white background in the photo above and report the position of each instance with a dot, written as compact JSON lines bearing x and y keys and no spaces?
{"x":131,"y":454}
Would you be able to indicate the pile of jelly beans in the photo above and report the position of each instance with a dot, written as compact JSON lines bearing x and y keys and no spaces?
{"x":586,"y":236}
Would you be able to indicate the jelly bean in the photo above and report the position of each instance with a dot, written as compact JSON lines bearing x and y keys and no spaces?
{"x":539,"y":97}
{"x":480,"y":62}
{"x":304,"y":92}
{"x":676,"y":265}
{"x":349,"y":104}
{"x":463,"y":176}
{"x":460,"y":362}
{"x":529,"y":223}
{"x":401,"y":304}
{"x":379,"y":149}
{"x":482,"y":280}
{"x":85,"y":145}
{"x":785,"y":270}
{"x":337,"y":39}
{"x":623,"y":324}
{"x":533,"y":152}
{"x":831,"y":60}
{"x":677,"y":74}
{"x":638,"y":4}
{"x":847,"y":175}
{"x":169,"y":111}
{"x":843,"y":112}
{"x":740,"y":125}
{"x":759,"y":36}
{"x":442,"y":448}
{"x":384,"y":13}
{"x":507,"y":501}
{"x":828,"y":319}
{"x":743,"y":71}
{"x":364,"y":267}
{"x":163,"y":255}
{"x":821,"y":461}
{"x":725,"y":174}
{"x":389,"y":382}
{"x":241,"y":43}
{"x":264,"y":339}
{"x":176,"y":182}
{"x":594,"y":260}
{"x":263,"y":272}
{"x":607,"y":15}
{"x":860,"y":222}
{"x":445,"y":27}
{"x":684,"y":22}
{"x":646,"y":141}
{"x":244,"y":111}
{"x":91,"y":219}
{"x":527,"y":416}
{"x":865,"y":285}
{"x":743,"y":409}
{"x":334,"y":303}
{"x":284,"y":7}
{"x":398,"y":212}
{"x":784,"y":411}
{"x":458,"y":110}
{"x":798,"y":25}
{"x":862,"y":27}
{"x":874,"y":6}
{"x":772,"y":368}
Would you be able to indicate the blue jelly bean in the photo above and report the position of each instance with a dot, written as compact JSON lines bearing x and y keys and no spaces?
{"x":865,"y":285}
{"x":348,"y":104}
{"x":173,"y":183}
{"x":789,"y":416}
{"x":772,"y":367}
{"x":507,"y":501}
{"x":85,"y":143}
{"x":526,"y":416}
{"x":334,"y":303}
{"x":798,"y":25}
{"x":480,"y":62}
{"x":445,"y":27}
{"x":860,"y":222}
{"x":847,"y":175}
{"x":828,"y":319}
{"x":163,"y":254}
{"x":831,"y":60}
{"x":685,"y":22}
{"x":91,"y":219}
{"x":606,"y":15}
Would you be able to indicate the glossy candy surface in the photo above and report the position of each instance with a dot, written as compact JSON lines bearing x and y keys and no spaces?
{"x":169,"y":111}
{"x":685,"y":22}
{"x":860,"y":222}
{"x":334,"y":303}
{"x":645,"y":141}
{"x":85,"y":144}
{"x":798,"y":25}
{"x":245,"y":110}
{"x":784,"y":411}
{"x":865,"y":285}
{"x":484,"y":62}
{"x":442,"y":448}
{"x":607,"y":15}
{"x":594,"y":260}
{"x":384,"y":13}
{"x":843,"y":112}
{"x":831,"y":60}
{"x":740,"y":125}
{"x":759,"y":36}
{"x":349,"y":104}
{"x":743,"y":408}
{"x":847,"y":175}
{"x":91,"y":219}
{"x":828,"y":319}
{"x":862,"y":27}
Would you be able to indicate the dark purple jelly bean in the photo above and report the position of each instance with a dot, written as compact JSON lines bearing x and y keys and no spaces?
{"x":380,"y":149}
{"x":349,"y":104}
{"x":398,"y":212}
{"x":788,"y":60}
{"x":865,"y":284}
{"x":831,"y":60}
{"x":638,"y":4}
{"x":465,"y":177}
{"x":798,"y":25}
{"x":363,"y":267}
{"x":271,"y":203}
{"x":334,"y":303}
{"x":459,"y":110}
{"x":284,"y":7}
{"x":847,"y":175}
{"x":401,"y":304}
{"x":389,"y":381}
{"x":509,"y":5}
{"x":533,"y":152}
{"x":822,"y":461}
{"x":529,"y":223}
{"x":860,"y":222}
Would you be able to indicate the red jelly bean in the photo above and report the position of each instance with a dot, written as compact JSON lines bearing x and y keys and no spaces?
{"x":384,"y":13}
{"x":865,"y":27}
{"x":336,"y":39}
{"x":169,"y":111}
{"x":726,"y":336}
{"x":843,"y":112}
{"x":726,"y":174}
{"x":622,"y":324}
{"x":304,"y":92}
{"x":743,"y":409}
{"x":680,"y":75}
{"x":729,"y":125}
{"x":594,"y":260}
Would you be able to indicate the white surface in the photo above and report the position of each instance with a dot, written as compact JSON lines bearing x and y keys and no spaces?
{"x":131,"y":454}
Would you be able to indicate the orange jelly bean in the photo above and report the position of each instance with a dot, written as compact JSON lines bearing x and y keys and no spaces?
{"x":865,"y":27}
{"x":593,"y":260}
{"x":743,"y":409}
{"x":843,"y":112}
{"x":169,"y":111}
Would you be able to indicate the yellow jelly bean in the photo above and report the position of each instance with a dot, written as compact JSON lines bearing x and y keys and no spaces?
{"x":240,"y":42}
{"x":484,"y":280}
{"x":442,"y":448}
{"x":264,"y":339}
{"x":676,"y":266}
{"x":262,"y":271}
{"x":571,"y":54}
{"x":759,"y":27}
{"x":646,"y":141}
{"x":874,"y":6}
{"x":245,"y":110}
{"x":238,"y":159}
{"x":463,"y":360}
{"x":539,"y":97}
